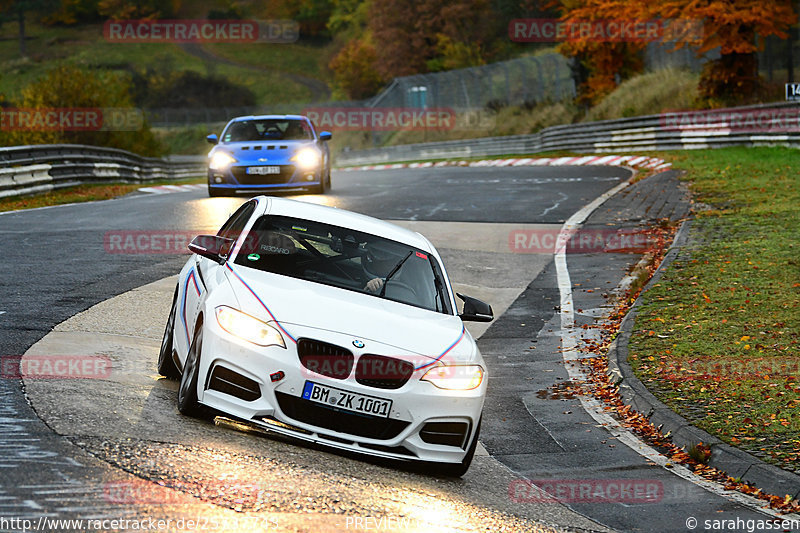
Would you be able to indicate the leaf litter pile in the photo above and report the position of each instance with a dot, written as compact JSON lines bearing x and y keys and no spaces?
{"x":600,"y":385}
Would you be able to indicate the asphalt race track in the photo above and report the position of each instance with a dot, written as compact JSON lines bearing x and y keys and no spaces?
{"x":96,"y":449}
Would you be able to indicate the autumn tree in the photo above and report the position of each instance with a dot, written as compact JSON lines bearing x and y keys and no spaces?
{"x":355,"y":69}
{"x":138,"y":9}
{"x":732,"y":26}
{"x":71,"y":12}
{"x":411,"y":35}
{"x":311,"y":15}
{"x":603,"y":64}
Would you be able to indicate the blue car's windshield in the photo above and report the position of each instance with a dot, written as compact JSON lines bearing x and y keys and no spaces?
{"x":268,"y":130}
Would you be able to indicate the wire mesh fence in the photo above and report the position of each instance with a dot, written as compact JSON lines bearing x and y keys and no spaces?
{"x":531,"y":79}
{"x":526,"y":80}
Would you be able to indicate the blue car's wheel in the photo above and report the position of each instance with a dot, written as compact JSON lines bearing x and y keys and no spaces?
{"x":325,"y":183}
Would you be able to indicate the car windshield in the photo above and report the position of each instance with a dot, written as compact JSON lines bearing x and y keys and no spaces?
{"x":345,"y":258}
{"x":268,"y":130}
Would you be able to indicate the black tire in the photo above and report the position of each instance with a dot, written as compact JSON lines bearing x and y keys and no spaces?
{"x":187,"y":392}
{"x":322,"y":188}
{"x":213,"y":193}
{"x":166,"y":364}
{"x":459,"y":469}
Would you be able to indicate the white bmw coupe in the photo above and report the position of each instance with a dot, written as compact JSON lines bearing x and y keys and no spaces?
{"x":328,"y":326}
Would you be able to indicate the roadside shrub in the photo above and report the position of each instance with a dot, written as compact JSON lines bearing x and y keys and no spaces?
{"x":68,"y":86}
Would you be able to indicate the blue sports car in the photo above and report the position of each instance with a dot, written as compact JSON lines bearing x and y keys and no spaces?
{"x":268,"y":153}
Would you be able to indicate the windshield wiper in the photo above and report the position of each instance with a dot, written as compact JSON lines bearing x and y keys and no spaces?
{"x":393,"y":271}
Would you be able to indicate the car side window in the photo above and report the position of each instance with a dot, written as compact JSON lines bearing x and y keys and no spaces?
{"x":236,"y":223}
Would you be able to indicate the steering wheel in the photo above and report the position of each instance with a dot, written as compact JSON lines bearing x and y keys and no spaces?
{"x":393,"y":286}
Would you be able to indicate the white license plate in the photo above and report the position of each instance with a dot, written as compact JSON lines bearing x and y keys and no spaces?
{"x":263,"y":170}
{"x":347,"y":401}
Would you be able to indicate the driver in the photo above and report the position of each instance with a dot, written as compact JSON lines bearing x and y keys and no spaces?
{"x":378,"y":261}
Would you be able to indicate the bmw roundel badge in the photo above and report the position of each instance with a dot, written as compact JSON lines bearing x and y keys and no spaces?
{"x":358,"y":344}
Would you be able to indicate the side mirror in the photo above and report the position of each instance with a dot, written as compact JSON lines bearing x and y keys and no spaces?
{"x":212,"y":247}
{"x":212,"y":139}
{"x":475,"y":310}
{"x":325,"y":136}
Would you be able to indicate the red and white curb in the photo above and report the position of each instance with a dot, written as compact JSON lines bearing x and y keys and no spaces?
{"x":654,"y":163}
{"x":165,"y":189}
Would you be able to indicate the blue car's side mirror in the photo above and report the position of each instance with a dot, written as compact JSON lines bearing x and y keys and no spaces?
{"x":325,"y":136}
{"x":212,"y":139}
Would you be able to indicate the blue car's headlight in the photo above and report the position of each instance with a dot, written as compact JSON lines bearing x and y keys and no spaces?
{"x":221,"y":161}
{"x":307,"y":158}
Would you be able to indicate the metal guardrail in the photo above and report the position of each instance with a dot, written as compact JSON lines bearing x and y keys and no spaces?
{"x":32,"y":169}
{"x":42,"y":168}
{"x":670,"y":131}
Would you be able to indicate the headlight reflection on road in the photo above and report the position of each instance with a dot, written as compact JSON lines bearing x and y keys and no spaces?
{"x":422,"y":513}
{"x":207,"y":215}
{"x":320,"y":199}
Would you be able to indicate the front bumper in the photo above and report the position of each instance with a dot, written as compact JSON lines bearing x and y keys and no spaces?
{"x":425,"y":423}
{"x":236,"y":179}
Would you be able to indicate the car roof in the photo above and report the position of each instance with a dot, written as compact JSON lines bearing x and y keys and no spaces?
{"x":345,"y":219}
{"x":260,"y":117}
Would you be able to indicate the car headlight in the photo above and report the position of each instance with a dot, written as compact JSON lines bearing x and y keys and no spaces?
{"x":221,"y":161}
{"x":248,"y":328}
{"x":307,"y":158}
{"x":456,"y":377}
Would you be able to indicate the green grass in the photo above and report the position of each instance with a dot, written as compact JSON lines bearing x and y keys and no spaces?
{"x":297,"y":58}
{"x":649,"y":94}
{"x":187,"y":140}
{"x":81,"y":193}
{"x":717,"y":338}
{"x":85,"y":45}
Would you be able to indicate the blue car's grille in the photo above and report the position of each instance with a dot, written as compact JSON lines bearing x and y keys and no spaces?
{"x":241,"y":175}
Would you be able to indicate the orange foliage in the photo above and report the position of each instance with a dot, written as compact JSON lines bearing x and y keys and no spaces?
{"x":606,"y":63}
{"x":730,"y":25}
{"x":354,"y":69}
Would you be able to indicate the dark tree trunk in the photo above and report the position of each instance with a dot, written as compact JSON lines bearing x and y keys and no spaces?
{"x":21,"y":23}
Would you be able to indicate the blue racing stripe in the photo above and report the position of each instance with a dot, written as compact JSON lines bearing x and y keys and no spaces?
{"x":463,"y":332}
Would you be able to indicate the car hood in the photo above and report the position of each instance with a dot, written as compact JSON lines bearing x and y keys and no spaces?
{"x":271,"y":151}
{"x":305,"y":308}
